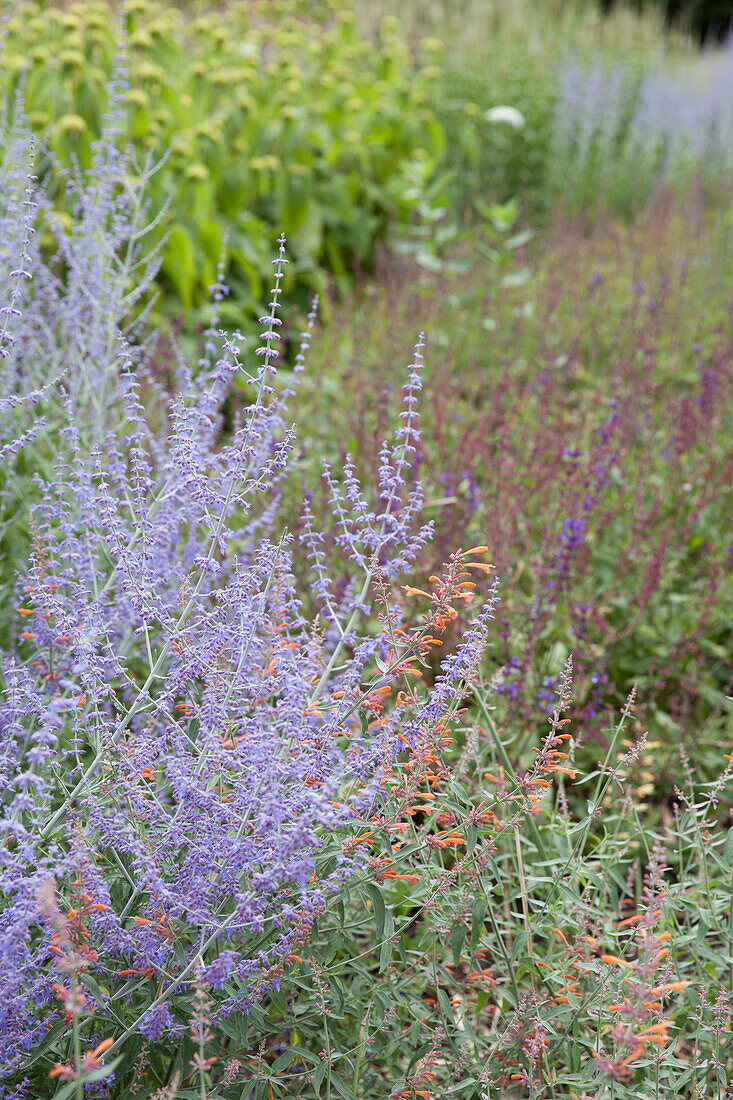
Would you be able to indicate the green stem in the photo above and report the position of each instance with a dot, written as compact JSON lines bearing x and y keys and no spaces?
{"x":509,"y":768}
{"x":79,"y":1090}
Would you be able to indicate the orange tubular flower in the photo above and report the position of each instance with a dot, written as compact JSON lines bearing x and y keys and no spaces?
{"x":63,"y":1071}
{"x":669,"y":987}
{"x":104,"y":1045}
{"x":446,"y":841}
{"x":412,"y":879}
{"x":614,"y":960}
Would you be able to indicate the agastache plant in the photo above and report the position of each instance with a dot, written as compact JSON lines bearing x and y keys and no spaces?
{"x":178,"y":743}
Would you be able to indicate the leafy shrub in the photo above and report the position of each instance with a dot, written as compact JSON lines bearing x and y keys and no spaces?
{"x":268,"y":117}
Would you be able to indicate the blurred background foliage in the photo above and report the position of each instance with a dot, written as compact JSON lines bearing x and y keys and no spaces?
{"x":709,"y":20}
{"x":268,"y":117}
{"x":332,"y":121}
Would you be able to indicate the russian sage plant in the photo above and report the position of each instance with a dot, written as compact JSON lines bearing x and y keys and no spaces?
{"x":620,"y":132}
{"x":183,"y":754}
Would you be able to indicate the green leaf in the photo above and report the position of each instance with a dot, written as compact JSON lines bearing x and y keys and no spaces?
{"x":478,"y":912}
{"x":457,"y":939}
{"x":517,"y":278}
{"x":341,"y":1087}
{"x":445,"y":1005}
{"x":211,"y":237}
{"x":380,"y":911}
{"x":385,"y":953}
{"x":179,"y":264}
{"x":285,"y":1059}
{"x":48,"y":1041}
{"x":320,"y":1073}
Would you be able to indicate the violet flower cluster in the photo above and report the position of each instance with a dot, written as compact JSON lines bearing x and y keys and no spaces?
{"x":179,"y":746}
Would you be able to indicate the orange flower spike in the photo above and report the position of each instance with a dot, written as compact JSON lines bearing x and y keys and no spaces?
{"x":660,"y":1040}
{"x":629,"y":921}
{"x":104,"y":1045}
{"x":614,"y":960}
{"x":62,"y":1070}
{"x":670,"y":987}
{"x":454,"y":838}
{"x":658,"y":1025}
{"x":475,"y":550}
{"x":410,"y":591}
